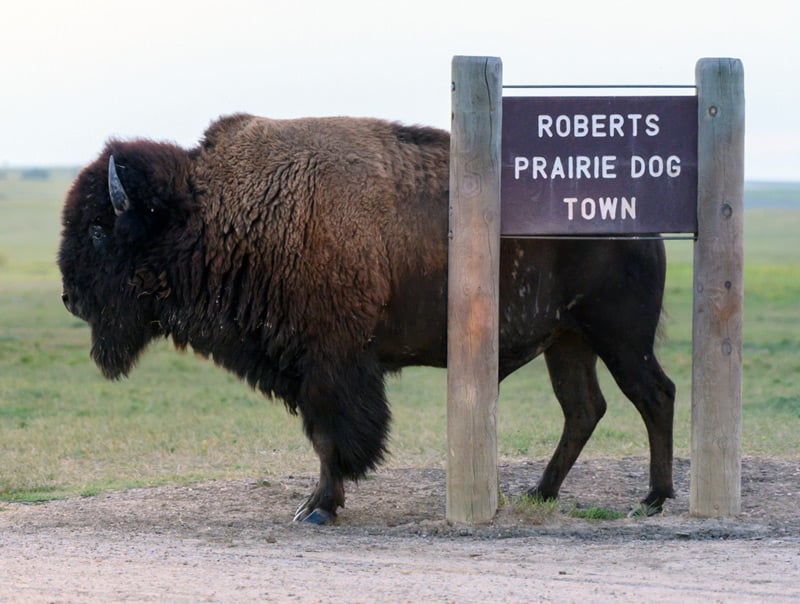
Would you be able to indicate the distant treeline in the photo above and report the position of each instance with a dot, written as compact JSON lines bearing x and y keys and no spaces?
{"x":38,"y":174}
{"x":779,"y":195}
{"x":26,"y":174}
{"x":757,"y":194}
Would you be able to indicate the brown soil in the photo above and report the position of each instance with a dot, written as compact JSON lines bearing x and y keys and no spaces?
{"x":232,"y":541}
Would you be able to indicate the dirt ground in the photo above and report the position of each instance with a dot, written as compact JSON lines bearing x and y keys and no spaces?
{"x":232,"y":541}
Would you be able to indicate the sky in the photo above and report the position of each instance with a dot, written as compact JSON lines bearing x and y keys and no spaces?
{"x":74,"y":74}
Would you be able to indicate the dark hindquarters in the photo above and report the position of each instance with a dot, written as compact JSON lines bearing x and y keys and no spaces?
{"x":621,"y":326}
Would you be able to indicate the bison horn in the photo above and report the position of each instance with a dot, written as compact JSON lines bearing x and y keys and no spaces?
{"x":119,"y":198}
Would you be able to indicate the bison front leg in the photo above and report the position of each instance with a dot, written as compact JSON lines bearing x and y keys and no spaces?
{"x":346,"y":417}
{"x":321,"y":506}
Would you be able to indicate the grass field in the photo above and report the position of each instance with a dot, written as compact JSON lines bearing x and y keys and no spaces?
{"x":65,"y":430}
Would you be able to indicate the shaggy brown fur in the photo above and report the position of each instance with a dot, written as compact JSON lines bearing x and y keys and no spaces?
{"x":309,"y":257}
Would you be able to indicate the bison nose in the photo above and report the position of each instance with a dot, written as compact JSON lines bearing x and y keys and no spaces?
{"x":65,"y":300}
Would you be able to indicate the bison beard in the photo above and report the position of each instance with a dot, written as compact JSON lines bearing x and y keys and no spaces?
{"x":309,"y":257}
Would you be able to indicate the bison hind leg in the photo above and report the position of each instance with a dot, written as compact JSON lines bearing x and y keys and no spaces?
{"x":572,"y":367}
{"x":346,"y":417}
{"x":653,"y":395}
{"x":632,"y":362}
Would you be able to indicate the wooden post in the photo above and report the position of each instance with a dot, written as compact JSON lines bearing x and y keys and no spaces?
{"x":473,"y":297}
{"x":715,"y":485}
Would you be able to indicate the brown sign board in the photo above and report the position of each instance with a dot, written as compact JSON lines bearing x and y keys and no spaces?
{"x":599,"y":165}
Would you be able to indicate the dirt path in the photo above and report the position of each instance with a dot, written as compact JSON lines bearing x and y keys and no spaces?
{"x":231,"y":542}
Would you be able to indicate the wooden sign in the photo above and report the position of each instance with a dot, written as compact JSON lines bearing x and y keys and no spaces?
{"x":599,"y":165}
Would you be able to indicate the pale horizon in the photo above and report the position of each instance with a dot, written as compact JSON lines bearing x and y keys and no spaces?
{"x":76,"y":75}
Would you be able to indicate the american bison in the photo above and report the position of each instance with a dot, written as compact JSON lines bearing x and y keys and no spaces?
{"x":309,"y":257}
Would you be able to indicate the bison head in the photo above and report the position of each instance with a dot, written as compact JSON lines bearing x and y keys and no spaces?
{"x":121,"y":221}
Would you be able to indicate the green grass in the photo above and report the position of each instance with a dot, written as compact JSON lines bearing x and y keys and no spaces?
{"x":596,"y":513}
{"x":64,"y":430}
{"x":534,"y":509}
{"x":541,"y":511}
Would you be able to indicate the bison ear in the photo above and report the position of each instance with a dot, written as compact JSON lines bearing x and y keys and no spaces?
{"x":149,"y":181}
{"x":119,"y":198}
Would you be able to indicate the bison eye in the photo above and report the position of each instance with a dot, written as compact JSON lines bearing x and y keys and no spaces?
{"x":98,"y":236}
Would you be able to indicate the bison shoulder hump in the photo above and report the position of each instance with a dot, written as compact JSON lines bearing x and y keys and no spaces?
{"x":224,"y":126}
{"x":420,"y":135}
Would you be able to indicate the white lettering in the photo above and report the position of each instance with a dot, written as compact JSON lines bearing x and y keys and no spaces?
{"x":609,"y":166}
{"x":539,"y":164}
{"x":545,"y":124}
{"x":673,"y":166}
{"x":570,"y":201}
{"x":655,"y":166}
{"x":582,"y":126}
{"x":651,"y":121}
{"x":629,"y":208}
{"x":634,"y":118}
{"x":608,"y":207}
{"x":570,"y":166}
{"x":582,"y":166}
{"x":588,"y":208}
{"x":558,"y":169}
{"x":599,"y":125}
{"x":520,"y":165}
{"x":615,"y":122}
{"x":637,"y":167}
{"x":563,"y":126}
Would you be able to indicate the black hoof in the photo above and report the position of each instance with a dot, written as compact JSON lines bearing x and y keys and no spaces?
{"x":316,"y":516}
{"x":320,"y":517}
{"x":535,"y":494}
